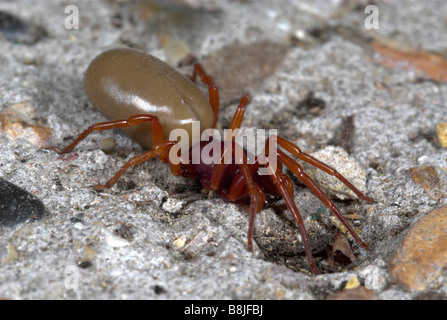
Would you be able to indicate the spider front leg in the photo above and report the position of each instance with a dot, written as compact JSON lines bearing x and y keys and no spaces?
{"x":157,"y":131}
{"x":159,"y":149}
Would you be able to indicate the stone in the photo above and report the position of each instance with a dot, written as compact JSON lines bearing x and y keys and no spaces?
{"x":18,"y":205}
{"x":422,"y":255}
{"x":427,"y":177}
{"x":359,"y":293}
{"x":347,"y":166}
{"x":441,"y":132}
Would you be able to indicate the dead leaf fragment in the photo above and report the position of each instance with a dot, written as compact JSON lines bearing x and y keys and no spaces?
{"x":428,"y":64}
{"x":341,"y":252}
{"x":14,"y":121}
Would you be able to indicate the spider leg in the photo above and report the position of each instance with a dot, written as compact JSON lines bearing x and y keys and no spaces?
{"x":238,"y":187}
{"x":238,"y":183}
{"x":157,"y":131}
{"x":158,"y":150}
{"x":213,"y":91}
{"x":160,"y":146}
{"x":299,"y":172}
{"x":294,"y":150}
{"x":280,"y":183}
{"x":257,"y":196}
{"x":238,"y":117}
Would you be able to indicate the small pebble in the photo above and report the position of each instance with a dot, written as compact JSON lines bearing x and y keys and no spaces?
{"x":79,"y":225}
{"x":375,"y":278}
{"x":427,"y":177}
{"x":107,"y":144}
{"x":18,"y":205}
{"x":352,"y":283}
{"x":175,"y":48}
{"x":88,"y":253}
{"x":115,"y":241}
{"x":422,"y":255}
{"x":173,"y":205}
{"x":180,"y":242}
{"x":12,"y":254}
{"x":348,"y":167}
{"x":359,"y":293}
{"x":158,"y":289}
{"x":16,"y":30}
{"x":441,"y":132}
{"x":15,"y":122}
{"x":125,"y":231}
{"x":198,"y":243}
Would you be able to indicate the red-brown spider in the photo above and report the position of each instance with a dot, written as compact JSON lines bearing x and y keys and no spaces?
{"x":155,"y":99}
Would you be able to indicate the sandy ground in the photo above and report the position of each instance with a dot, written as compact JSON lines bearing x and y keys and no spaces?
{"x":313,"y":75}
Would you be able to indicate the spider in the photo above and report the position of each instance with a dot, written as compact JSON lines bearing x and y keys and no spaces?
{"x":149,"y":99}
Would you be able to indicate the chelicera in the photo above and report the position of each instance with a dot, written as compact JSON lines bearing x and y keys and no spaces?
{"x":148,"y":99}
